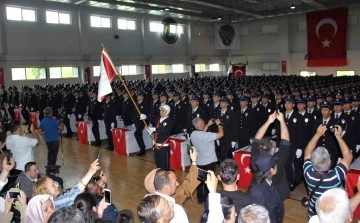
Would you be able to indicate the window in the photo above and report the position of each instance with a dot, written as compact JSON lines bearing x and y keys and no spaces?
{"x":64,"y":72}
{"x":158,"y":69}
{"x":200,"y":68}
{"x":158,"y":27}
{"x":96,"y":71}
{"x":19,"y":14}
{"x":126,"y":24}
{"x":178,"y":68}
{"x":305,"y":73}
{"x":97,"y":21}
{"x":28,"y":73}
{"x":270,"y":66}
{"x":340,"y":73}
{"x":57,"y":17}
{"x":214,"y":67}
{"x":128,"y":69}
{"x":207,"y":67}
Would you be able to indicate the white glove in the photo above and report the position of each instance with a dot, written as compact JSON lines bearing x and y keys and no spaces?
{"x":112,"y":125}
{"x":251,"y":141}
{"x":79,"y":116}
{"x":118,"y":118}
{"x":298,"y":153}
{"x":150,"y":130}
{"x":233,"y":144}
{"x":32,"y":109}
{"x":68,"y":116}
{"x":273,"y":131}
{"x":142,"y":116}
{"x":357,"y":148}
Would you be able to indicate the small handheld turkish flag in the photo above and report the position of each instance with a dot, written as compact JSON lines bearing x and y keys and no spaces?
{"x":326,"y":35}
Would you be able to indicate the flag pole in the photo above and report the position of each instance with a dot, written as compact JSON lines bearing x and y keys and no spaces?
{"x":124,"y":84}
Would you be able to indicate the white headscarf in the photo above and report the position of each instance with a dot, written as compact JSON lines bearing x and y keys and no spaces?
{"x":167,"y":108}
{"x":34,"y":210}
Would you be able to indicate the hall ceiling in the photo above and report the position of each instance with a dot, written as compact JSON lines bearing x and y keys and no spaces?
{"x":211,"y":10}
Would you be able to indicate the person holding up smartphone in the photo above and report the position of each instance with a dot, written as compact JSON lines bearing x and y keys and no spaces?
{"x":203,"y":141}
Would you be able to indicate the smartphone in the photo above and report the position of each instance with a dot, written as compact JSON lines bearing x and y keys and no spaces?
{"x":190,"y":148}
{"x":202,"y":174}
{"x":8,"y":157}
{"x":98,"y":156}
{"x":107,"y":196}
{"x":13,"y":194}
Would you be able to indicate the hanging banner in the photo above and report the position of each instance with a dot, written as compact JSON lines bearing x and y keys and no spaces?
{"x":326,"y":37}
{"x":239,"y":70}
{"x":227,"y":36}
{"x":148,"y":72}
{"x":2,"y":76}
{"x":87,"y":75}
{"x":283,"y":67}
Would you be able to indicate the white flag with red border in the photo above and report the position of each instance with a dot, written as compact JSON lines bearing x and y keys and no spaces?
{"x":107,"y":74}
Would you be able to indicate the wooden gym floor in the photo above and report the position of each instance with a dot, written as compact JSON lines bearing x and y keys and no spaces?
{"x":126,"y":178}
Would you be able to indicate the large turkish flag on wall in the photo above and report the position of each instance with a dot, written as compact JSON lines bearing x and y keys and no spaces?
{"x":326,"y":36}
{"x":239,"y":70}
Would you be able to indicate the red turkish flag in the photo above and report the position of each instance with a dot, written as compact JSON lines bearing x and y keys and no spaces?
{"x":239,"y":70}
{"x":242,"y":158}
{"x":326,"y":36}
{"x":82,"y":132}
{"x":148,"y":72}
{"x":119,"y":141}
{"x":34,"y":119}
{"x":17,"y":114}
{"x":352,"y":178}
{"x":175,"y":153}
{"x":2,"y":76}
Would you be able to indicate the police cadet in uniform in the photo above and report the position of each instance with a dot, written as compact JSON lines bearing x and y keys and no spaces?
{"x":279,"y":101}
{"x":311,"y":108}
{"x":163,"y":99}
{"x":24,"y":104}
{"x":52,"y":171}
{"x":4,"y":96}
{"x":10,"y":105}
{"x":206,"y":103}
{"x":155,"y":106}
{"x":66,"y":106}
{"x":228,"y":120}
{"x":162,"y":132}
{"x":328,"y":140}
{"x":233,"y":105}
{"x":94,"y":113}
{"x":79,"y":105}
{"x":308,"y":124}
{"x":259,"y":112}
{"x":42,"y":102}
{"x":127,"y":110}
{"x":109,"y":119}
{"x":346,"y":122}
{"x":195,"y":111}
{"x":294,"y":122}
{"x":245,"y":119}
{"x":16,"y":97}
{"x":269,"y":109}
{"x":144,"y":109}
{"x":183,"y":97}
{"x":214,"y":109}
{"x":178,"y":114}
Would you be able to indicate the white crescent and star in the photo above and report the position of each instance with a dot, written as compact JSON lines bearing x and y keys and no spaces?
{"x":247,"y":169}
{"x":241,"y":73}
{"x":326,"y":42}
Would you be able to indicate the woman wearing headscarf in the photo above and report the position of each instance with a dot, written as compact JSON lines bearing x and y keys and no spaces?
{"x":263,"y":191}
{"x":39,"y":209}
{"x":162,"y":132}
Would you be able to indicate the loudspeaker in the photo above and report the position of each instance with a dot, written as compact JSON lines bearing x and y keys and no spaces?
{"x":116,"y":36}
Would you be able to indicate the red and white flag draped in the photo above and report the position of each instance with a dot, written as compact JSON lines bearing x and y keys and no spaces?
{"x":107,"y":74}
{"x":326,"y":36}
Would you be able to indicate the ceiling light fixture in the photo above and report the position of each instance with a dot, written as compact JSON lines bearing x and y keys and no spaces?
{"x":219,"y":18}
{"x":292,"y":6}
{"x":167,"y":9}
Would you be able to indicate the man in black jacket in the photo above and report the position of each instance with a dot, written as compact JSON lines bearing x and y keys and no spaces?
{"x":139,"y":123}
{"x":109,"y":119}
{"x":95,"y":114}
{"x":195,"y":112}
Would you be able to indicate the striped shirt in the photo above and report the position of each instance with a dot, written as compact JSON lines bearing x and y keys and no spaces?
{"x":332,"y":179}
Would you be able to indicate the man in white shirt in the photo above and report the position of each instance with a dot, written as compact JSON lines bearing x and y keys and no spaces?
{"x":21,"y":146}
{"x":165,"y":183}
